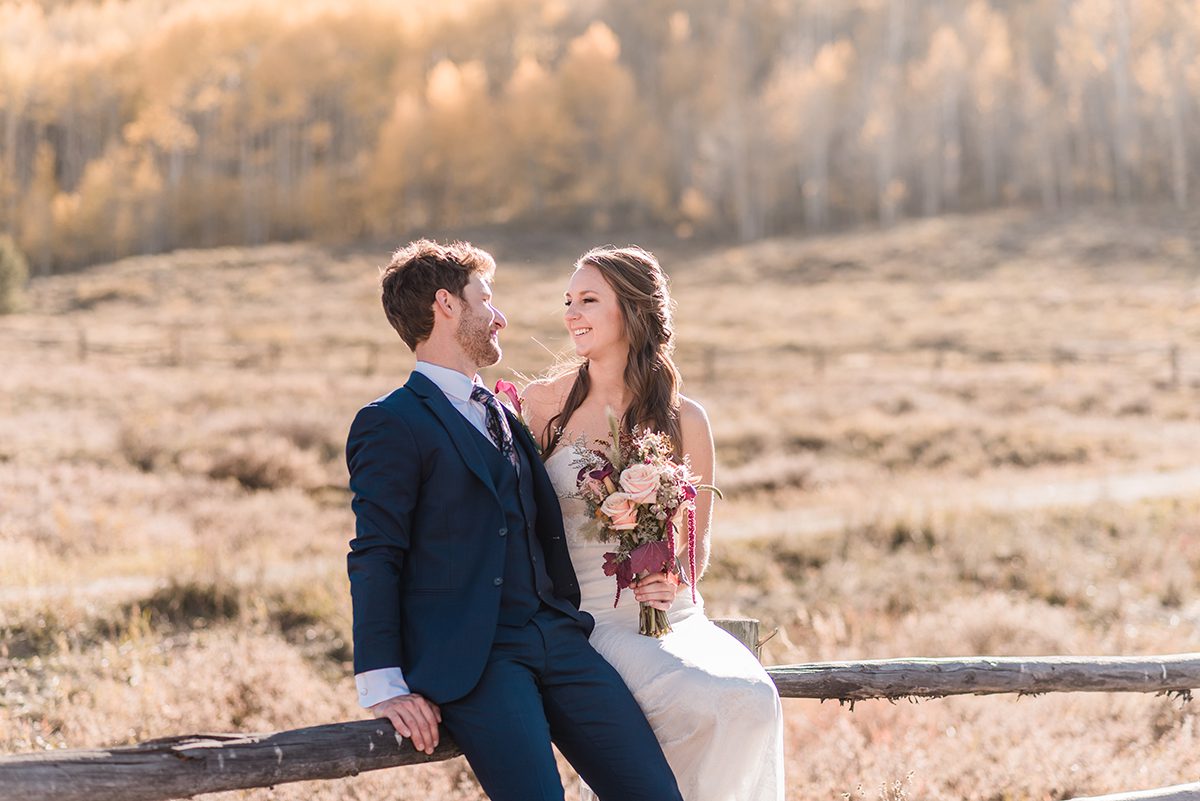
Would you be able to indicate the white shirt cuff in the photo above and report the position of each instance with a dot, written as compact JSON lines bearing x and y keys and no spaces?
{"x":375,"y":686}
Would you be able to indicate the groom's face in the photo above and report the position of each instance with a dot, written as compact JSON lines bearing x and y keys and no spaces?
{"x":478,"y":332}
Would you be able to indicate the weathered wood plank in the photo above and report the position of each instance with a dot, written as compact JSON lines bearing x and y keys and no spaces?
{"x":936,"y":678}
{"x":1179,"y":792}
{"x":181,"y":767}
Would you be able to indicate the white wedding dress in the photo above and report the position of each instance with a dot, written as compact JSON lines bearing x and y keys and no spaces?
{"x":712,"y":706}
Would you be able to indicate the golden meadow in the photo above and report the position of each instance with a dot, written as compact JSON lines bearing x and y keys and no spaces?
{"x":174,"y":519}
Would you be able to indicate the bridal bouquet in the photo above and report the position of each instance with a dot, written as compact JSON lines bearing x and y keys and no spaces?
{"x":639,"y":498}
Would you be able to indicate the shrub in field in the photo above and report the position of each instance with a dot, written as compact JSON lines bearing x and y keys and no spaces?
{"x":185,"y":602}
{"x":314,"y":434}
{"x":143,"y":446}
{"x":14,"y":273}
{"x":263,"y":461}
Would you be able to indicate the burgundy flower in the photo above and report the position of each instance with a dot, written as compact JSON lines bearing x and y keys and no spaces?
{"x":691,"y":532}
{"x":603,"y":472}
{"x":619,"y":566}
{"x":615,"y":565}
{"x":671,"y":533}
{"x":650,"y":557}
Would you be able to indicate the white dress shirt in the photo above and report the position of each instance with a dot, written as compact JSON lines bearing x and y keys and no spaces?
{"x":376,"y":686}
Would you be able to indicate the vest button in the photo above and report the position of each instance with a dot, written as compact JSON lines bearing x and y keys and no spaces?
{"x":503,"y":532}
{"x":497,"y":581}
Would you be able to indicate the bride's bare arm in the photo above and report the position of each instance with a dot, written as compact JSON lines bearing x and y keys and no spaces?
{"x":698,"y":447}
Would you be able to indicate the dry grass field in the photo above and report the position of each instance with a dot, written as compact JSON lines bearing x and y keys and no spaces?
{"x":960,"y":436}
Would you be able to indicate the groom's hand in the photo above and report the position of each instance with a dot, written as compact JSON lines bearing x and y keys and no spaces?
{"x":415,"y":717}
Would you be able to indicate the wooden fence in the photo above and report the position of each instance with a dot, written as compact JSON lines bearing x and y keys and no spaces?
{"x":1165,"y":362}
{"x":184,"y":766}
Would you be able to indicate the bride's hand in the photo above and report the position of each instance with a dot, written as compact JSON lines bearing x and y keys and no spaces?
{"x":656,"y":589}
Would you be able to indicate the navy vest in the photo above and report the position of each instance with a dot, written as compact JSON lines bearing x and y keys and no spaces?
{"x":527,"y":585}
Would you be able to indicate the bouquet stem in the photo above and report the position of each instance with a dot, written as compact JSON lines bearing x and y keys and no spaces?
{"x":653,"y":622}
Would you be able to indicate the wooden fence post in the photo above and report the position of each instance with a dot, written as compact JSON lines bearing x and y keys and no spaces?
{"x":372,"y":362}
{"x":1058,"y":357}
{"x":710,"y":364}
{"x":175,"y":347}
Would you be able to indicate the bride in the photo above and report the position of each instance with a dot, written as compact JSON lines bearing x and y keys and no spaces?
{"x":712,"y":706}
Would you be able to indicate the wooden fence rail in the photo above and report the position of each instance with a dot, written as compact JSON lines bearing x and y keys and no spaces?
{"x":984,"y":675}
{"x":189,"y":765}
{"x":181,"y":767}
{"x":1178,"y":792}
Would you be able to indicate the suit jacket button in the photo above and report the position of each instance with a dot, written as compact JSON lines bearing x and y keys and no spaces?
{"x":503,"y":532}
{"x":497,"y":581}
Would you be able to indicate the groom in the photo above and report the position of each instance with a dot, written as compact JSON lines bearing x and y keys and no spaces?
{"x":465,"y":601}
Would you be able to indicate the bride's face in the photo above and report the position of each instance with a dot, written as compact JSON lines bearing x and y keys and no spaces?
{"x":593,"y":314}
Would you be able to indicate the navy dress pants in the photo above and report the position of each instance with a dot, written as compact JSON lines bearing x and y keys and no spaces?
{"x":543,"y":683}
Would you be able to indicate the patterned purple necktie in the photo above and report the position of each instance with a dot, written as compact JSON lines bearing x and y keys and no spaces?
{"x":497,"y":424}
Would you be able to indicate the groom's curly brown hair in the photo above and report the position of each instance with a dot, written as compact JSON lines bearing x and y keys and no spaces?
{"x":416,"y":272}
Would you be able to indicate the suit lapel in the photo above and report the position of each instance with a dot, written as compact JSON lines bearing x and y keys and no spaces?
{"x":455,"y":424}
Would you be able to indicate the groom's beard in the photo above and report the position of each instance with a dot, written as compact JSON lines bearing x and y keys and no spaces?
{"x":474,"y":334}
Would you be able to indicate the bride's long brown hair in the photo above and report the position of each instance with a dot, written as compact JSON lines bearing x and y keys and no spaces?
{"x":650,"y":373}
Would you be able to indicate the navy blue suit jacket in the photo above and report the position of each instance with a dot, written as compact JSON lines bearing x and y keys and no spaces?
{"x":427,"y":549}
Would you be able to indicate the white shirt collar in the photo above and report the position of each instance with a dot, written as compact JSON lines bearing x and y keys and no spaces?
{"x":452,"y":383}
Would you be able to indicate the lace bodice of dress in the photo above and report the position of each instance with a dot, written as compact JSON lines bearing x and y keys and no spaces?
{"x":574,"y":509}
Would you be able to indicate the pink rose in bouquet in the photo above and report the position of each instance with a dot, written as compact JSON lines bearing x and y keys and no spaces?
{"x":641,"y":482}
{"x":621,"y":510}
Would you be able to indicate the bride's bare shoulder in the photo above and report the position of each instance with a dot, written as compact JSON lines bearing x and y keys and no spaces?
{"x":693,"y":420}
{"x":545,"y":396}
{"x":691,"y":412}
